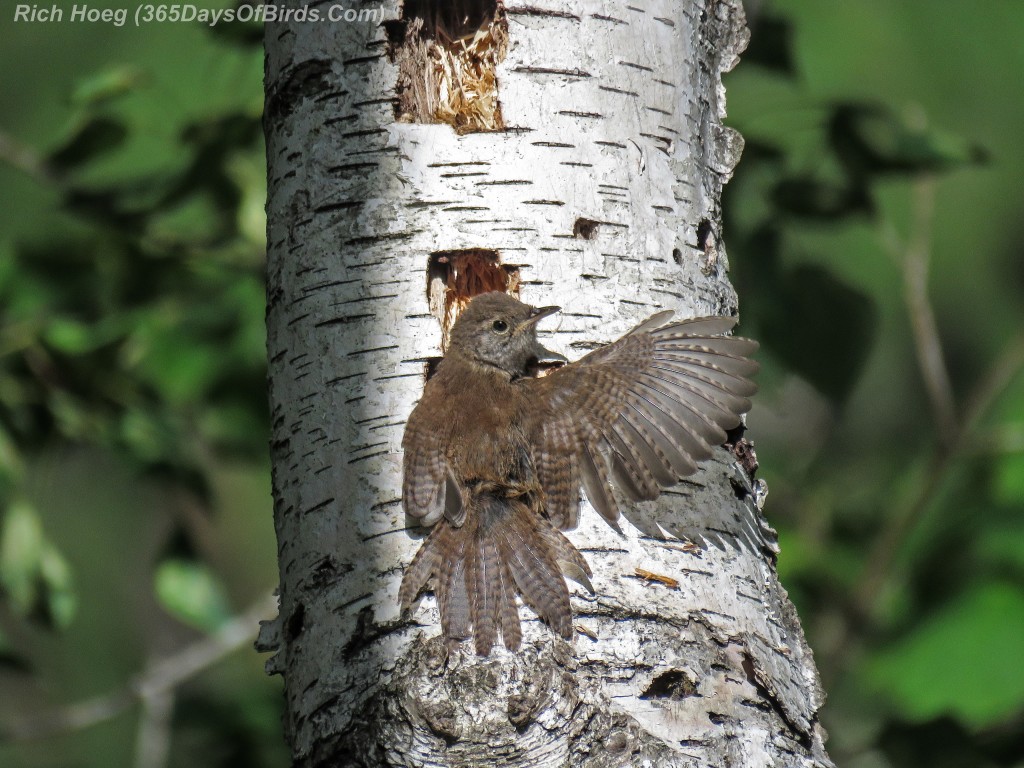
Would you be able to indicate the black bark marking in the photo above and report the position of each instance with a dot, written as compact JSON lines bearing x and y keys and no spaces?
{"x":318,"y":506}
{"x":353,"y":168}
{"x":368,"y":631}
{"x":370,"y":351}
{"x":623,"y":91}
{"x":611,"y":19}
{"x":577,"y":73}
{"x":530,"y":10}
{"x":367,"y":457}
{"x":342,"y":320}
{"x":362,"y":59}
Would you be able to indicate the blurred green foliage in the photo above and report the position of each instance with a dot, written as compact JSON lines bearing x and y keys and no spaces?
{"x":133,"y":477}
{"x":190,"y":591}
{"x":873,"y":223}
{"x":34,"y":575}
{"x":134,"y":487}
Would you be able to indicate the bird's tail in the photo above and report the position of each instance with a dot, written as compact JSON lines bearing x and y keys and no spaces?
{"x":503,"y":549}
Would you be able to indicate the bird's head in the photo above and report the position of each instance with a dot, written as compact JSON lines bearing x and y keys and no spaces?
{"x":499,"y":331}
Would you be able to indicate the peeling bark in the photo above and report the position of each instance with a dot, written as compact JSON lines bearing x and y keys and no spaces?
{"x":601,"y":195}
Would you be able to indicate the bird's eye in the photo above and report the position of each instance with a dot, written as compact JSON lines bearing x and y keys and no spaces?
{"x":499,"y":326}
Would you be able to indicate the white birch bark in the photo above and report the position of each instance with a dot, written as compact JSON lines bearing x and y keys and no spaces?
{"x":613,"y":113}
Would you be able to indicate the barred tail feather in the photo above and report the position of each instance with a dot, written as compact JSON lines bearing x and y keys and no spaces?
{"x":424,"y":564}
{"x":483,"y":578}
{"x":569,"y":559}
{"x":452,"y":592}
{"x":535,"y":570}
{"x":511,"y":631}
{"x":503,"y":549}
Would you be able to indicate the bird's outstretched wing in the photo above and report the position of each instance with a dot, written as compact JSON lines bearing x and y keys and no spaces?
{"x":640,"y":412}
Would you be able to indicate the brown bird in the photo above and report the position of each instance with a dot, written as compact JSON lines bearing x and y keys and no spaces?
{"x":495,"y":458}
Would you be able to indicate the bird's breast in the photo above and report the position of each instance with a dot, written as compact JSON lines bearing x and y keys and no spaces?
{"x":490,"y":445}
{"x":487,"y":442}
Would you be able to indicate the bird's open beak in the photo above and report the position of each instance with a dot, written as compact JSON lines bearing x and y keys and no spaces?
{"x":547,"y":356}
{"x":543,"y":355}
{"x":536,"y":315}
{"x":539,"y":313}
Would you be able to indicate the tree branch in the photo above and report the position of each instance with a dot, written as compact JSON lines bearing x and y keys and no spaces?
{"x":880,"y":562}
{"x":153,"y":742}
{"x":151,"y":686}
{"x":914,"y":258}
{"x":955,"y":432}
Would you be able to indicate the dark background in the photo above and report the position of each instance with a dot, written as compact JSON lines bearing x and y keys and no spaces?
{"x":875,"y":219}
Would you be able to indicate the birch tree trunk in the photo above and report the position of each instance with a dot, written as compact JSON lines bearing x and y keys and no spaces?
{"x":599,"y":193}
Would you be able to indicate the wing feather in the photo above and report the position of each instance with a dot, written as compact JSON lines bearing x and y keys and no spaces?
{"x":594,"y":473}
{"x":423,"y":470}
{"x":429,"y":489}
{"x":639,"y":413}
{"x":558,"y":472}
{"x":568,"y":558}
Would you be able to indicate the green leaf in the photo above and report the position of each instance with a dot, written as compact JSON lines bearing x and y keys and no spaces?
{"x":250,"y":177}
{"x":190,"y":591}
{"x":196,"y":218}
{"x":147,"y":434}
{"x":32,"y":571}
{"x":20,"y":550}
{"x":107,"y":85}
{"x":231,"y":425}
{"x":61,"y":602}
{"x":74,"y":337}
{"x":178,"y":349}
{"x":963,"y":661}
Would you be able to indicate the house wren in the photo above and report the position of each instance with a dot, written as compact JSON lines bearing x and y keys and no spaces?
{"x":495,"y":458}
